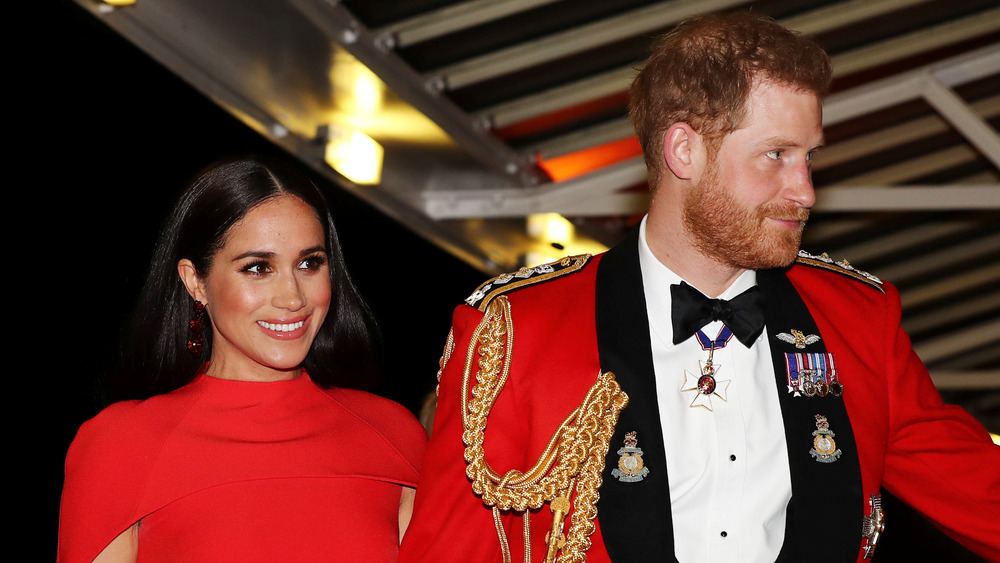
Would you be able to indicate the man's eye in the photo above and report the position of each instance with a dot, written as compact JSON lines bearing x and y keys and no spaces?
{"x":774,"y":155}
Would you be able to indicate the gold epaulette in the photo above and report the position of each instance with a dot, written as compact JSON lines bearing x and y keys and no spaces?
{"x":504,"y":283}
{"x":567,"y":475}
{"x":842,"y":267}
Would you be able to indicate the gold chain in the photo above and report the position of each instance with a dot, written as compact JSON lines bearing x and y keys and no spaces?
{"x":572,"y":460}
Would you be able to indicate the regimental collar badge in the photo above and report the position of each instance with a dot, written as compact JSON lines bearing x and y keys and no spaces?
{"x":813,"y":374}
{"x":798,"y":338}
{"x":824,"y":446}
{"x":631,"y":468}
{"x":874,"y":525}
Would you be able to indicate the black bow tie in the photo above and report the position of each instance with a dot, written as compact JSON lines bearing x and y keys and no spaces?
{"x":690,"y":311}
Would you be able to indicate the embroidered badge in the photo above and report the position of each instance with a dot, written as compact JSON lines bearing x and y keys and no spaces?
{"x":812,"y":374}
{"x":631,"y":468}
{"x":798,"y":338}
{"x":874,"y":525}
{"x":824,"y":446}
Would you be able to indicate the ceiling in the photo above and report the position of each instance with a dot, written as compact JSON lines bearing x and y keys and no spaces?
{"x":494,"y":113}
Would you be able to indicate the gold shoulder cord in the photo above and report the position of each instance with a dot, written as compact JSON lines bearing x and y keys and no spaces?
{"x":573,"y":458}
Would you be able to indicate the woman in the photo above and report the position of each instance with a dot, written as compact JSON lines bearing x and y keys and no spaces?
{"x":254,"y":455}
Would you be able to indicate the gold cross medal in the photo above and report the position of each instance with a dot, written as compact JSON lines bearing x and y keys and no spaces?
{"x":824,"y":446}
{"x":631,"y":468}
{"x":706,"y":385}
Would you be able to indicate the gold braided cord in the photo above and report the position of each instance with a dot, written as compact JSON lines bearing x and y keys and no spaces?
{"x":498,"y":523}
{"x":526,"y":530}
{"x":573,"y":459}
{"x":449,"y":347}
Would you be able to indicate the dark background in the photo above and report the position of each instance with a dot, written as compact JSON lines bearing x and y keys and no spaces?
{"x":111,"y":137}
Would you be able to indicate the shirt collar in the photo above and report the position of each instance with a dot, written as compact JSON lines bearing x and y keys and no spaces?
{"x":656,"y":282}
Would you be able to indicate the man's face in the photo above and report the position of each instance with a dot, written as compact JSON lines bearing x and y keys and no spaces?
{"x":751,"y":204}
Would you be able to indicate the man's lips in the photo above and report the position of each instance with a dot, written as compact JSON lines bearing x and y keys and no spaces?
{"x":789,"y":223}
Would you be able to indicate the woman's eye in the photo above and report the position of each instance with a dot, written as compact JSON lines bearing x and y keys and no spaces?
{"x":256,"y":268}
{"x":313,"y":263}
{"x":773,"y":155}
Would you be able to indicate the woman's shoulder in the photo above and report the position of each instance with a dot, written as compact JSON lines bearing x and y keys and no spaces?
{"x":388,"y":418}
{"x":117,"y":433}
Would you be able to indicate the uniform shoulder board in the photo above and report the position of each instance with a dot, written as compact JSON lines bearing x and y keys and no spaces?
{"x":842,"y":267}
{"x":523,"y":277}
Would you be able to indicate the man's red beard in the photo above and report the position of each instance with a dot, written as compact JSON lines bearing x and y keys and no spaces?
{"x":737,"y":236}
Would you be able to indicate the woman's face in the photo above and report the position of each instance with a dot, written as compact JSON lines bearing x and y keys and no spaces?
{"x":267,"y":292}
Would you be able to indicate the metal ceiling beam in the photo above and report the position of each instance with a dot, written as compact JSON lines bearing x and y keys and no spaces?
{"x":907,"y":198}
{"x":617,"y":81}
{"x":907,"y":170}
{"x":560,"y":97}
{"x":843,"y":14}
{"x":899,"y":88}
{"x":952,"y":313}
{"x":953,"y":343}
{"x":341,"y":26}
{"x":883,"y":139}
{"x":584,"y":138}
{"x":898,"y":240}
{"x":958,"y":112}
{"x":971,"y":360}
{"x":921,"y":41}
{"x":559,"y":45}
{"x":956,"y":380}
{"x":587,"y":194}
{"x":986,"y":275}
{"x":927,"y":263}
{"x":450,"y":19}
{"x":818,"y":232}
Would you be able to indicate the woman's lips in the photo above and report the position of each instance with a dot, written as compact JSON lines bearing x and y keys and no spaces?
{"x":284,"y":329}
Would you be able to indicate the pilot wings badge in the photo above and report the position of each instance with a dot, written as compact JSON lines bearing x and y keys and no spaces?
{"x":798,"y":338}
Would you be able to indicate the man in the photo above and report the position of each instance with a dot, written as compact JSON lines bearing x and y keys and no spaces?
{"x":760,"y":425}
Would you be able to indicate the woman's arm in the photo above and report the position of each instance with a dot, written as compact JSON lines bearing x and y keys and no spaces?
{"x":125,"y":548}
{"x":405,"y":510}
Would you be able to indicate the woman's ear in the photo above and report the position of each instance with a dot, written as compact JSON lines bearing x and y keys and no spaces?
{"x":191,"y":280}
{"x":682,"y":148}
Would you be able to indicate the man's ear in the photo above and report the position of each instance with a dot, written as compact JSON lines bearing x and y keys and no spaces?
{"x":191,"y":280}
{"x":682,"y":147}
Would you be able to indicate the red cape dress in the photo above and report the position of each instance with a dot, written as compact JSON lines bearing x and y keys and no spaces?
{"x":222,"y":470}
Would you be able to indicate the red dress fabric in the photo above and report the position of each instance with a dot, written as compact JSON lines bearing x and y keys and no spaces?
{"x":225,"y":470}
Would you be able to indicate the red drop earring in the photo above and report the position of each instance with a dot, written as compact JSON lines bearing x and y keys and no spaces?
{"x":196,"y":342}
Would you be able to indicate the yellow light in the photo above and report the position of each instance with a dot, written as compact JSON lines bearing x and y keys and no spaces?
{"x":367,"y":93}
{"x":550,"y":227}
{"x":355,"y":155}
{"x":119,"y":2}
{"x":996,"y":438}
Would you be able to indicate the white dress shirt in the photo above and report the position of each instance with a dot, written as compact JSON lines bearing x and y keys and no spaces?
{"x":728,"y":467}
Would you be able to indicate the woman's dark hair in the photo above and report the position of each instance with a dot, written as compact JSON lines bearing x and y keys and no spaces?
{"x":156,"y":359}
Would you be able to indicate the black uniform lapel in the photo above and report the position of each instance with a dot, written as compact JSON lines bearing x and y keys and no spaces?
{"x":634,"y":516}
{"x":824,"y":516}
